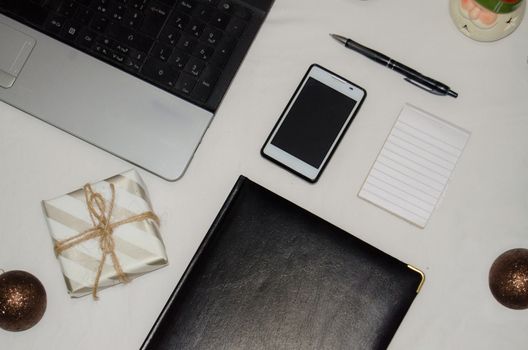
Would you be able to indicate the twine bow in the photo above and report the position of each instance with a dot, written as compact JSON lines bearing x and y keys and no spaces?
{"x":103,"y":229}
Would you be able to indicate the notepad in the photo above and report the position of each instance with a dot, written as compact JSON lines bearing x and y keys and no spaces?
{"x":415,"y":165}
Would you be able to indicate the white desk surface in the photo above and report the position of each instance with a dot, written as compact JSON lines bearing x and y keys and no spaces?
{"x":484,"y":211}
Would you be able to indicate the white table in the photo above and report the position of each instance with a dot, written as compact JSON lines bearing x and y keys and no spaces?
{"x":484,"y":211}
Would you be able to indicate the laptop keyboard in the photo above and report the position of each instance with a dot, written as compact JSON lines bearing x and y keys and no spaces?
{"x":181,"y":46}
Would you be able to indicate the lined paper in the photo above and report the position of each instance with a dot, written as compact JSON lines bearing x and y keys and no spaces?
{"x":414,"y":166}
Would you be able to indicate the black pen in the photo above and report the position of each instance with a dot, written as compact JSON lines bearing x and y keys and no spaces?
{"x":412,"y":76}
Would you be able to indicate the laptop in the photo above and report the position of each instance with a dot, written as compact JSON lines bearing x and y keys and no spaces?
{"x":141,"y":79}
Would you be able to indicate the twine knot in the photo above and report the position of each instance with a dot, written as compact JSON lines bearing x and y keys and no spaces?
{"x":107,"y":242}
{"x":103,"y":229}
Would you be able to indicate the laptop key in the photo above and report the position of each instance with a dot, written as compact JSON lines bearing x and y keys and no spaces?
{"x":54,"y":24}
{"x":194,"y":66}
{"x":70,"y":31}
{"x":133,"y":19}
{"x":222,"y":53}
{"x":161,"y":52}
{"x":159,"y":72}
{"x":203,"y":52}
{"x":104,"y":52}
{"x":137,"y":55}
{"x":138,"y":4}
{"x":178,"y":59}
{"x":211,"y":35}
{"x":209,"y":76}
{"x":100,"y":23}
{"x":225,"y":6}
{"x":86,"y":38}
{"x":242,"y":12}
{"x":114,"y":46}
{"x":205,"y":84}
{"x":132,"y":65}
{"x":219,"y":19}
{"x":129,"y":37}
{"x":235,"y":27}
{"x":179,"y":20}
{"x":101,"y":50}
{"x":185,"y":83}
{"x":107,"y":42}
{"x":118,"y":58}
{"x":234,"y":9}
{"x":122,"y":49}
{"x":186,"y":43}
{"x":67,"y":8}
{"x":117,"y":13}
{"x":154,"y":18}
{"x":102,"y":6}
{"x":186,"y":6}
{"x":83,"y":16}
{"x":195,"y":28}
{"x":203,"y":13}
{"x":169,"y":36}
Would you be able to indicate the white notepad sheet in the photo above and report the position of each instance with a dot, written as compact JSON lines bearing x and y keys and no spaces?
{"x":414,"y":166}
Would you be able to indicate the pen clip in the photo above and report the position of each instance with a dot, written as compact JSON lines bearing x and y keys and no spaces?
{"x":422,"y":86}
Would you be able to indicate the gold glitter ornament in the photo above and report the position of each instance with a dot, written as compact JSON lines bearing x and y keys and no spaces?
{"x":22,"y":300}
{"x":508,"y":279}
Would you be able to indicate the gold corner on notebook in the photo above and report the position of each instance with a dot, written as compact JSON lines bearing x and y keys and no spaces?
{"x":421,"y":274}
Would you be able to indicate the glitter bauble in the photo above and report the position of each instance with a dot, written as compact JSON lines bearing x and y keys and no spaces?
{"x":508,"y":279}
{"x":22,"y":300}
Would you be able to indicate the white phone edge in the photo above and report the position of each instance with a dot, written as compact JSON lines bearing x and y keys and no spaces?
{"x":297,"y":165}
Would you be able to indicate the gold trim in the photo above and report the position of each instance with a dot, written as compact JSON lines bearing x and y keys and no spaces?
{"x":421,"y":274}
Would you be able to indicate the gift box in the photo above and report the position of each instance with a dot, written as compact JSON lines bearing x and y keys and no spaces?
{"x":105,"y":233}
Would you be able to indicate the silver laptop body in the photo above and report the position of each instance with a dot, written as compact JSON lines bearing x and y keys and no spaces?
{"x":97,"y":102}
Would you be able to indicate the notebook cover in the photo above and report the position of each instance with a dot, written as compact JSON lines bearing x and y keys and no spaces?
{"x":271,"y":275}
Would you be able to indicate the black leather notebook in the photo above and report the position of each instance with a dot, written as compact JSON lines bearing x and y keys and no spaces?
{"x":271,"y":275}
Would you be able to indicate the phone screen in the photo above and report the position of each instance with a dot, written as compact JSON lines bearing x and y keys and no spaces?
{"x":313,"y":122}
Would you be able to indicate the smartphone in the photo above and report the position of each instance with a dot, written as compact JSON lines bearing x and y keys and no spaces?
{"x":313,"y":122}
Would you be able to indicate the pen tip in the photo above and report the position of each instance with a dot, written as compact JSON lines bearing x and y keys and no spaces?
{"x":339,"y":38}
{"x":452,"y":93}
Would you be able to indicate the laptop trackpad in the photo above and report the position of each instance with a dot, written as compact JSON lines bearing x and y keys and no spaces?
{"x":15,"y":48}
